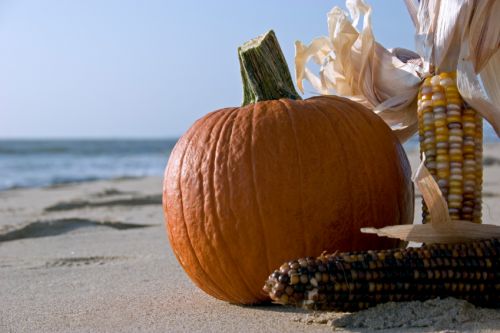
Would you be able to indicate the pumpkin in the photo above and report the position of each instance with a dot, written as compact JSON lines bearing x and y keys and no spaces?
{"x":247,"y":188}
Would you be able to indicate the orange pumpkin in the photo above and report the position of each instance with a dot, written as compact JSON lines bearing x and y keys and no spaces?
{"x":250,"y":187}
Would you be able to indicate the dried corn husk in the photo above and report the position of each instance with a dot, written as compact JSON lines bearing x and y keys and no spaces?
{"x":451,"y":35}
{"x":441,"y":229}
{"x":353,"y":65}
{"x":443,"y":26}
{"x":491,"y":79}
{"x":470,"y":88}
{"x":484,"y":32}
{"x":456,"y":232}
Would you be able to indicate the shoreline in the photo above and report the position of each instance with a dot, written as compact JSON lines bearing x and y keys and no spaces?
{"x":73,"y":182}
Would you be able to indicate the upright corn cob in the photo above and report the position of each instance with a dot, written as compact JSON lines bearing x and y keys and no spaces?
{"x":451,"y":137}
{"x":355,"y":281}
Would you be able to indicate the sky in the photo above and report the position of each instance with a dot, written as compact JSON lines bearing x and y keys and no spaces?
{"x":145,"y":68}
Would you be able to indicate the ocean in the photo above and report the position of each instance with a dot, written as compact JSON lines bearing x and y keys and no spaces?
{"x":37,"y":163}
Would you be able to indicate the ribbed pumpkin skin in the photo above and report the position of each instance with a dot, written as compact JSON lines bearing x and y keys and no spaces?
{"x":248,"y":188}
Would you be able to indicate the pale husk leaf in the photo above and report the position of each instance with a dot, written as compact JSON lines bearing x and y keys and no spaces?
{"x":491,"y":80}
{"x":354,"y":65}
{"x":438,"y":208}
{"x":395,"y":109}
{"x":412,"y":6}
{"x":484,"y":32}
{"x":443,"y":26}
{"x":448,"y":34}
{"x":438,"y":34}
{"x":317,"y":51}
{"x":396,"y":113}
{"x":441,"y":229}
{"x":457,"y":232}
{"x":425,"y":27}
{"x":470,"y":88}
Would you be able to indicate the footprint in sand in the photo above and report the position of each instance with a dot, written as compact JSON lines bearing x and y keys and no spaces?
{"x":80,"y":261}
{"x":61,"y":226}
{"x":491,"y":160}
{"x":133,"y":201}
{"x":109,"y":192}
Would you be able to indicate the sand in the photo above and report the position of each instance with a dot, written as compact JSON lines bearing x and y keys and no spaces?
{"x":94,"y":257}
{"x":436,"y":314}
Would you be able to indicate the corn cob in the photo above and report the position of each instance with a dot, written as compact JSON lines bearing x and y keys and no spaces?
{"x":358,"y":280}
{"x":450,"y":134}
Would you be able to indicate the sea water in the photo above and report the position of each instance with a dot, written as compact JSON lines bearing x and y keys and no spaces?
{"x":34,"y":163}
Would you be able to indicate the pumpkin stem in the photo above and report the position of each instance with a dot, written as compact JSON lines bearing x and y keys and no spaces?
{"x":264,"y":70}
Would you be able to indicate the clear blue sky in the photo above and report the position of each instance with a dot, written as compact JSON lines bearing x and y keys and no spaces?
{"x":122,"y":68}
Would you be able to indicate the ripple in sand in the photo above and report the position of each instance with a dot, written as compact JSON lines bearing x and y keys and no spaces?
{"x":108,"y":192}
{"x":491,"y":160}
{"x":78,"y":204}
{"x":80,"y":261}
{"x":61,"y":226}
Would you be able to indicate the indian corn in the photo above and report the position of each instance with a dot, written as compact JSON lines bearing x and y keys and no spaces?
{"x":450,"y":134}
{"x":358,"y":280}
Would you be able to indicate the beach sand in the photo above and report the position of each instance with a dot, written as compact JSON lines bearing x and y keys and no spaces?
{"x":94,"y":257}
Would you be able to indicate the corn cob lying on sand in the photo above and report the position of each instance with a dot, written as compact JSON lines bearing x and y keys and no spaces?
{"x":358,"y":280}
